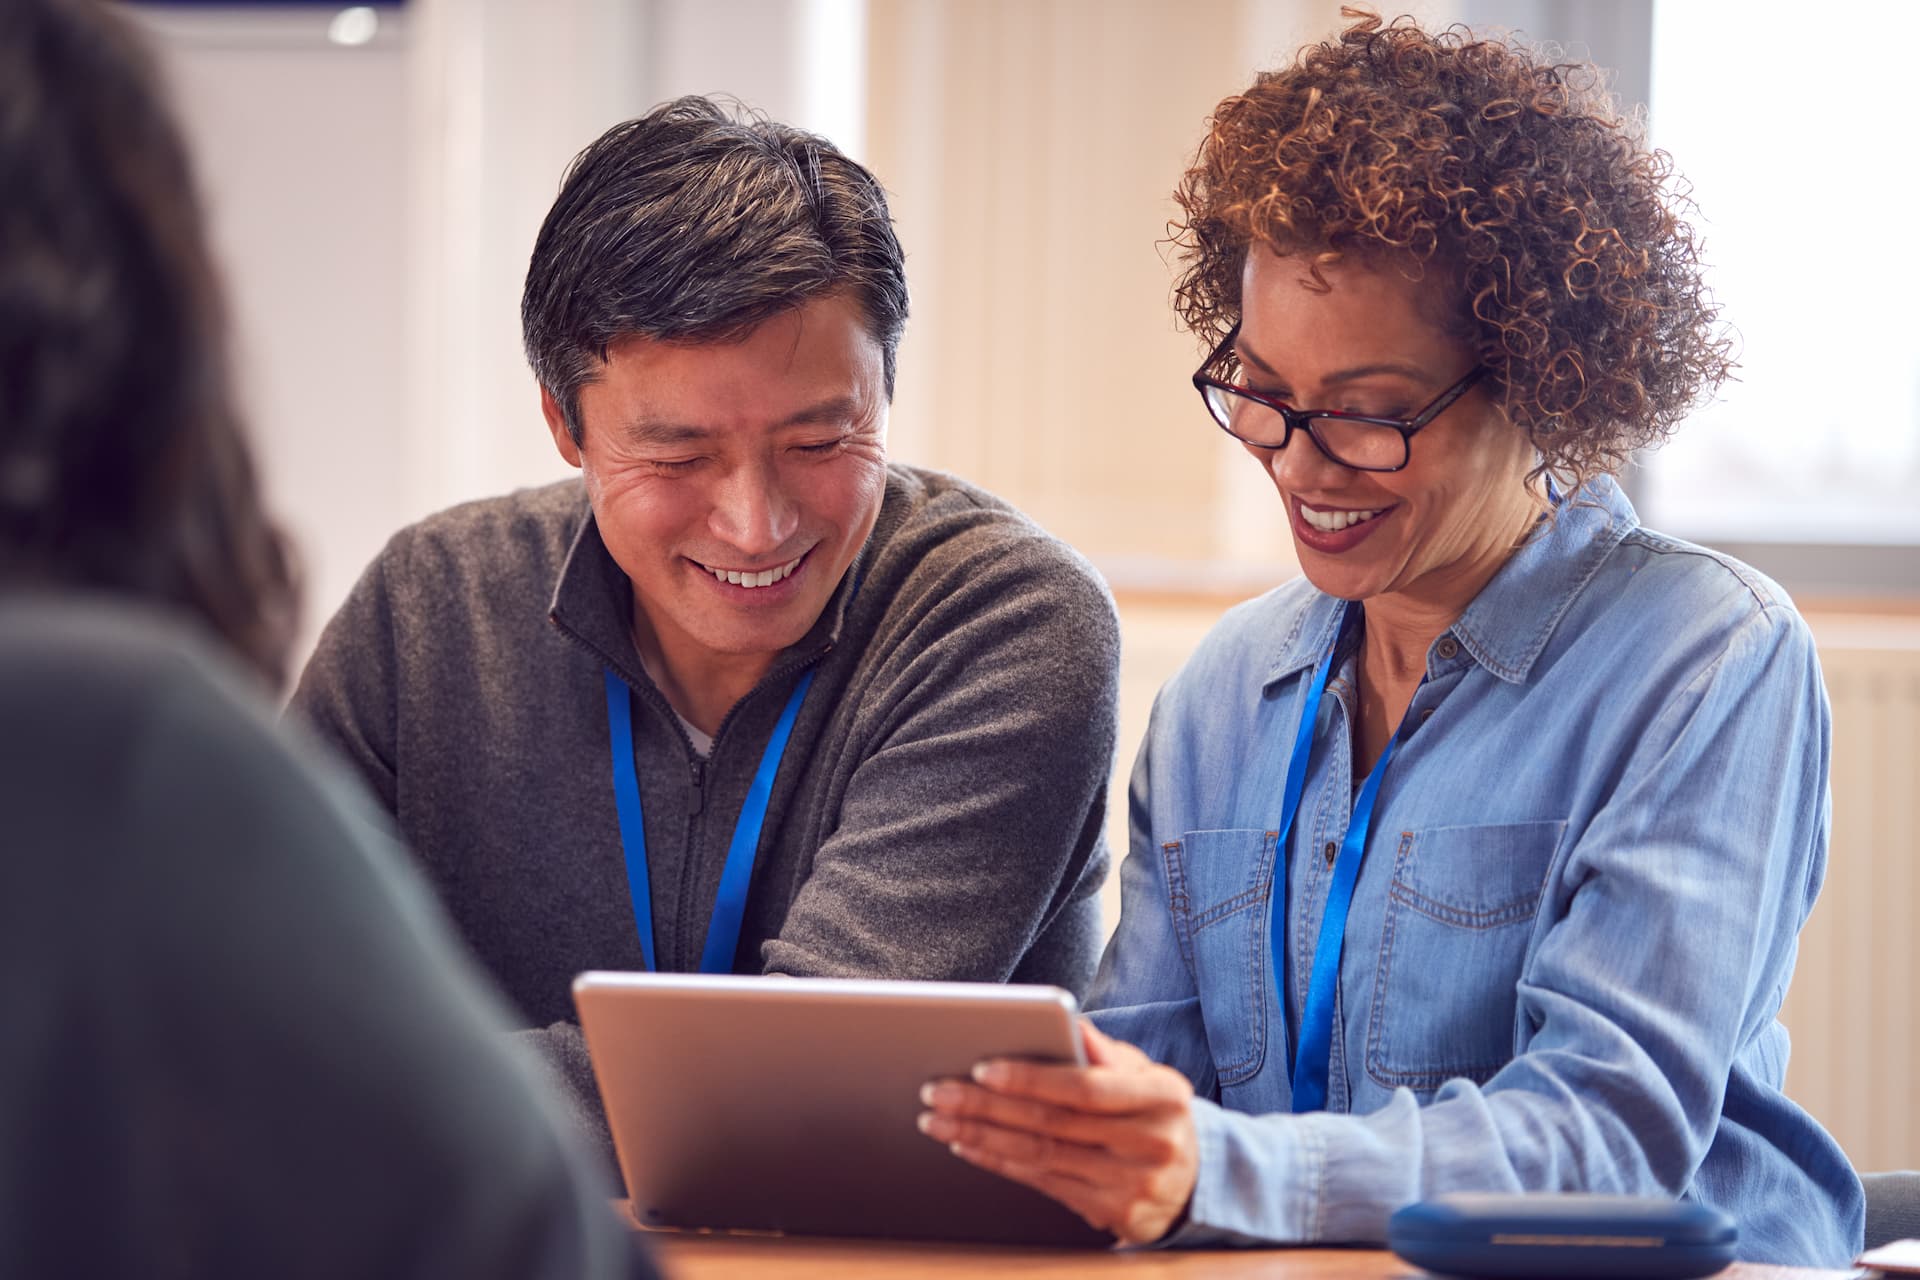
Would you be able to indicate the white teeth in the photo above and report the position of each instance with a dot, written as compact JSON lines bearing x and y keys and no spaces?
{"x":764,"y":578}
{"x":1334,"y":521}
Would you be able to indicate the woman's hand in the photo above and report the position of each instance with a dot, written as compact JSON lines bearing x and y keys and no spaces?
{"x":1113,"y":1141}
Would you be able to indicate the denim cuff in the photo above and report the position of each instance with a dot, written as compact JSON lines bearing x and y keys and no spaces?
{"x":1256,"y":1183}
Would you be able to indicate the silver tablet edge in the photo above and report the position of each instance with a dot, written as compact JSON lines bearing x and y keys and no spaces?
{"x":612,"y":980}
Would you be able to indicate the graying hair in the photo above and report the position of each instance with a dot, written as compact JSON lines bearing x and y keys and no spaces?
{"x":693,"y":224}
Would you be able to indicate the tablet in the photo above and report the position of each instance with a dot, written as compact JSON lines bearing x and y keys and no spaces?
{"x":789,"y":1104}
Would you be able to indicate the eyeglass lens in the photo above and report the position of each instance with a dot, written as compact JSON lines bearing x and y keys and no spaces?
{"x":1357,"y":444}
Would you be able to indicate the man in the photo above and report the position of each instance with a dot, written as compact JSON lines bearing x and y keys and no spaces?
{"x":750,"y":698}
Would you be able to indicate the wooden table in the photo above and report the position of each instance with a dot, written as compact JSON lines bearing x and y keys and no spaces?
{"x":720,"y":1257}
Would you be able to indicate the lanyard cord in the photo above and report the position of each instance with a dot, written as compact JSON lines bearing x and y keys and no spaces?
{"x":1313,"y":1053}
{"x":736,"y":875}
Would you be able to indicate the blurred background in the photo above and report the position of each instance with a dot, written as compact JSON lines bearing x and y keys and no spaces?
{"x":376,"y":176}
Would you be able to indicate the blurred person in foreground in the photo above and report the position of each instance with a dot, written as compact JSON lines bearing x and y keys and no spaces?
{"x":239,"y":1038}
{"x":1473,"y":859}
{"x":746,"y":697}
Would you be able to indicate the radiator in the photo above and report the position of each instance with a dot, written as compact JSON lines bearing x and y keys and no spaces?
{"x":1856,"y":991}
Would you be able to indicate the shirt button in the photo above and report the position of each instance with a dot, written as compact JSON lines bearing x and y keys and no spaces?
{"x":1331,"y":849}
{"x":1448,"y":648}
{"x":1426,"y":715}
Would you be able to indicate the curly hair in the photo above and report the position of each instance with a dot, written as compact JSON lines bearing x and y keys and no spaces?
{"x":1574,"y":274}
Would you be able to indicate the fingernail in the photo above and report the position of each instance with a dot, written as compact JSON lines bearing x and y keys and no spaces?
{"x":956,"y":1149}
{"x":989,"y":1073}
{"x":924,"y":1121}
{"x":926,"y":1096}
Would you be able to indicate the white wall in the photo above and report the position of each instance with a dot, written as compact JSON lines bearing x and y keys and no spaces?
{"x":302,"y":152}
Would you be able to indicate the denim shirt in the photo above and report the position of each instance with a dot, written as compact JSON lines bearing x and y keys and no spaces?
{"x":1590,"y":858}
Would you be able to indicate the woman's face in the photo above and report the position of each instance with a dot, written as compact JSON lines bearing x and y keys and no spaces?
{"x":1434,"y":531}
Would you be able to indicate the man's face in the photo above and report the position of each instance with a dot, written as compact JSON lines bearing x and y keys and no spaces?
{"x":734,"y":482}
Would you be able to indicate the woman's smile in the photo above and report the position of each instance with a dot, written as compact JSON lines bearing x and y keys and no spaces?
{"x":1332,"y":530}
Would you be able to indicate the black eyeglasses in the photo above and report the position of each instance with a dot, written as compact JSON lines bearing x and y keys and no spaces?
{"x":1352,"y":440}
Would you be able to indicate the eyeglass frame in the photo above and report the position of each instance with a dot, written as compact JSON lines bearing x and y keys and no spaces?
{"x":1302,"y":419}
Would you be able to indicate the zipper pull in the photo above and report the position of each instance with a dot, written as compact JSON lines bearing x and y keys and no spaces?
{"x":699,"y":780}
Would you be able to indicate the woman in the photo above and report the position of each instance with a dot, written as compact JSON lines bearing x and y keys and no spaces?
{"x":239,"y":1040}
{"x":1545,"y":792}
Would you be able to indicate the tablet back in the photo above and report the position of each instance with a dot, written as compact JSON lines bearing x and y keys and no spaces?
{"x":788,"y":1104}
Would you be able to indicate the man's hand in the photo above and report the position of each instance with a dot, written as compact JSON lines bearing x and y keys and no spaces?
{"x":1113,"y":1141}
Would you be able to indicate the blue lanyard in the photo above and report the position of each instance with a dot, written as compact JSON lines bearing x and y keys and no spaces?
{"x":1315,"y":1049}
{"x":730,"y":903}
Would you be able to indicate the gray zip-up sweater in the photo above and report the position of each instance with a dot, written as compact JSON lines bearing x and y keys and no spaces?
{"x":938,"y":813}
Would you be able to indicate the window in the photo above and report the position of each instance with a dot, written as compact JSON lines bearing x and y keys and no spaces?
{"x":1806,"y":189}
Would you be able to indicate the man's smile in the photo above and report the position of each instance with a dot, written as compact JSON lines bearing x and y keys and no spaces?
{"x":752,"y":577}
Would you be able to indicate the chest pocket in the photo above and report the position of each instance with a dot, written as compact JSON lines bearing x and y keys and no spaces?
{"x":1218,"y":883}
{"x":1459,"y":913}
